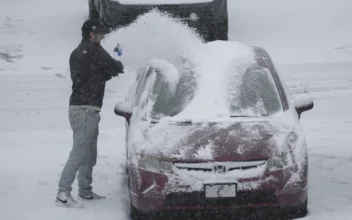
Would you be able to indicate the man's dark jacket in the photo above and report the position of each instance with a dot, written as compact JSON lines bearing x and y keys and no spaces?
{"x":91,"y":66}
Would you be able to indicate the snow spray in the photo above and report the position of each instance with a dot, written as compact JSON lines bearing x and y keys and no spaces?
{"x":118,"y":50}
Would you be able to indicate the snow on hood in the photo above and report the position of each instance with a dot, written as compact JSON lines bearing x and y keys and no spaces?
{"x":235,"y":140}
{"x":158,"y":2}
{"x":231,"y":140}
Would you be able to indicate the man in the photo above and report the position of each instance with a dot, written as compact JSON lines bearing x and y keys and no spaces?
{"x":90,"y":66}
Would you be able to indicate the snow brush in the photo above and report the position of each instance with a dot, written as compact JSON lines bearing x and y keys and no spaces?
{"x":118,"y":50}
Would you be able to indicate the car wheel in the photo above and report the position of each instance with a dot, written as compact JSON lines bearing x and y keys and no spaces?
{"x":298,"y":212}
{"x":302,"y":211}
{"x":135,"y":214}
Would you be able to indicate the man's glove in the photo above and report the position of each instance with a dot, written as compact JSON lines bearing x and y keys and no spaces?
{"x":119,"y":67}
{"x":116,"y":68}
{"x":117,"y":73}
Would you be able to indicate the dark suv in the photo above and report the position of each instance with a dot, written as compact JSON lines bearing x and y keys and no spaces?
{"x":208,"y":17}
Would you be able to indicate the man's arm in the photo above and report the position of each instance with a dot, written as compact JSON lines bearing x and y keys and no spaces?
{"x":110,"y":65}
{"x":77,"y":75}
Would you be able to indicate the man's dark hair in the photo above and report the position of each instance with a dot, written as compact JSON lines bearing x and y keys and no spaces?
{"x":94,"y":26}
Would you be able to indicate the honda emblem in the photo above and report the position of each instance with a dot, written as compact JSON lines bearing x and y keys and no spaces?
{"x":220,"y":169}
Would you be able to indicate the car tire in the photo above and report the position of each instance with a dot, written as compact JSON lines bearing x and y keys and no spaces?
{"x":302,"y":211}
{"x":298,"y":212}
{"x":134,"y":213}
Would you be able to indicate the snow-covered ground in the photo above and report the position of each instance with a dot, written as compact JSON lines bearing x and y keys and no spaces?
{"x":311,"y":42}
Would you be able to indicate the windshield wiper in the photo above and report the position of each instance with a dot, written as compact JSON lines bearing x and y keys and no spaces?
{"x":184,"y":122}
{"x":247,"y":116}
{"x":175,"y":122}
{"x":240,"y":116}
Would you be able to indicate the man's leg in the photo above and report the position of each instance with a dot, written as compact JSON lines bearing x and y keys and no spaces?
{"x":84,"y":123}
{"x":85,"y":172}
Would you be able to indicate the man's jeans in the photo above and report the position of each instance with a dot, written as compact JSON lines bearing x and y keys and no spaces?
{"x":83,"y":156}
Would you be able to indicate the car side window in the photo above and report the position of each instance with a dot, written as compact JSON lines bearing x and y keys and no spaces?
{"x":141,"y":84}
{"x":259,"y":92}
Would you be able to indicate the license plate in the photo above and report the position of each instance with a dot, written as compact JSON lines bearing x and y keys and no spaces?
{"x":223,"y":190}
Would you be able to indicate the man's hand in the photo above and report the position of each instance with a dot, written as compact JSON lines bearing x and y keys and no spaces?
{"x":119,"y":66}
{"x":117,"y":73}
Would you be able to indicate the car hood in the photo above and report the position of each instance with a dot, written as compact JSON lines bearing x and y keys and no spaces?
{"x":241,"y":140}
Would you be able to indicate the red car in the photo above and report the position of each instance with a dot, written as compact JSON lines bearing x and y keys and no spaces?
{"x":215,"y":130}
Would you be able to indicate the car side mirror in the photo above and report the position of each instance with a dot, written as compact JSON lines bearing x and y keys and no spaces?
{"x":303,"y":102}
{"x":123,"y":109}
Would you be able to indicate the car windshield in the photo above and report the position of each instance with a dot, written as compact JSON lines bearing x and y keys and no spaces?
{"x":252,"y":93}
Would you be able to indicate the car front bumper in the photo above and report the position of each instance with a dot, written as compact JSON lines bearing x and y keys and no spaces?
{"x":158,"y":192}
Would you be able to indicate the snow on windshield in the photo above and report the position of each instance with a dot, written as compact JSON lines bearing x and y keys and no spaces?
{"x":220,"y":79}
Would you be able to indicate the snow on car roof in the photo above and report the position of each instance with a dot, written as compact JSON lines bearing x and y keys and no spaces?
{"x":157,"y":2}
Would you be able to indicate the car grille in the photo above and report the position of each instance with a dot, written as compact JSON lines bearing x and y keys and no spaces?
{"x":198,"y":199}
{"x":220,"y":167}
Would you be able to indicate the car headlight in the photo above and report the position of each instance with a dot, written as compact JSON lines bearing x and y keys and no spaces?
{"x":156,"y":165}
{"x":274,"y":164}
{"x":166,"y":167}
{"x":285,"y":156}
